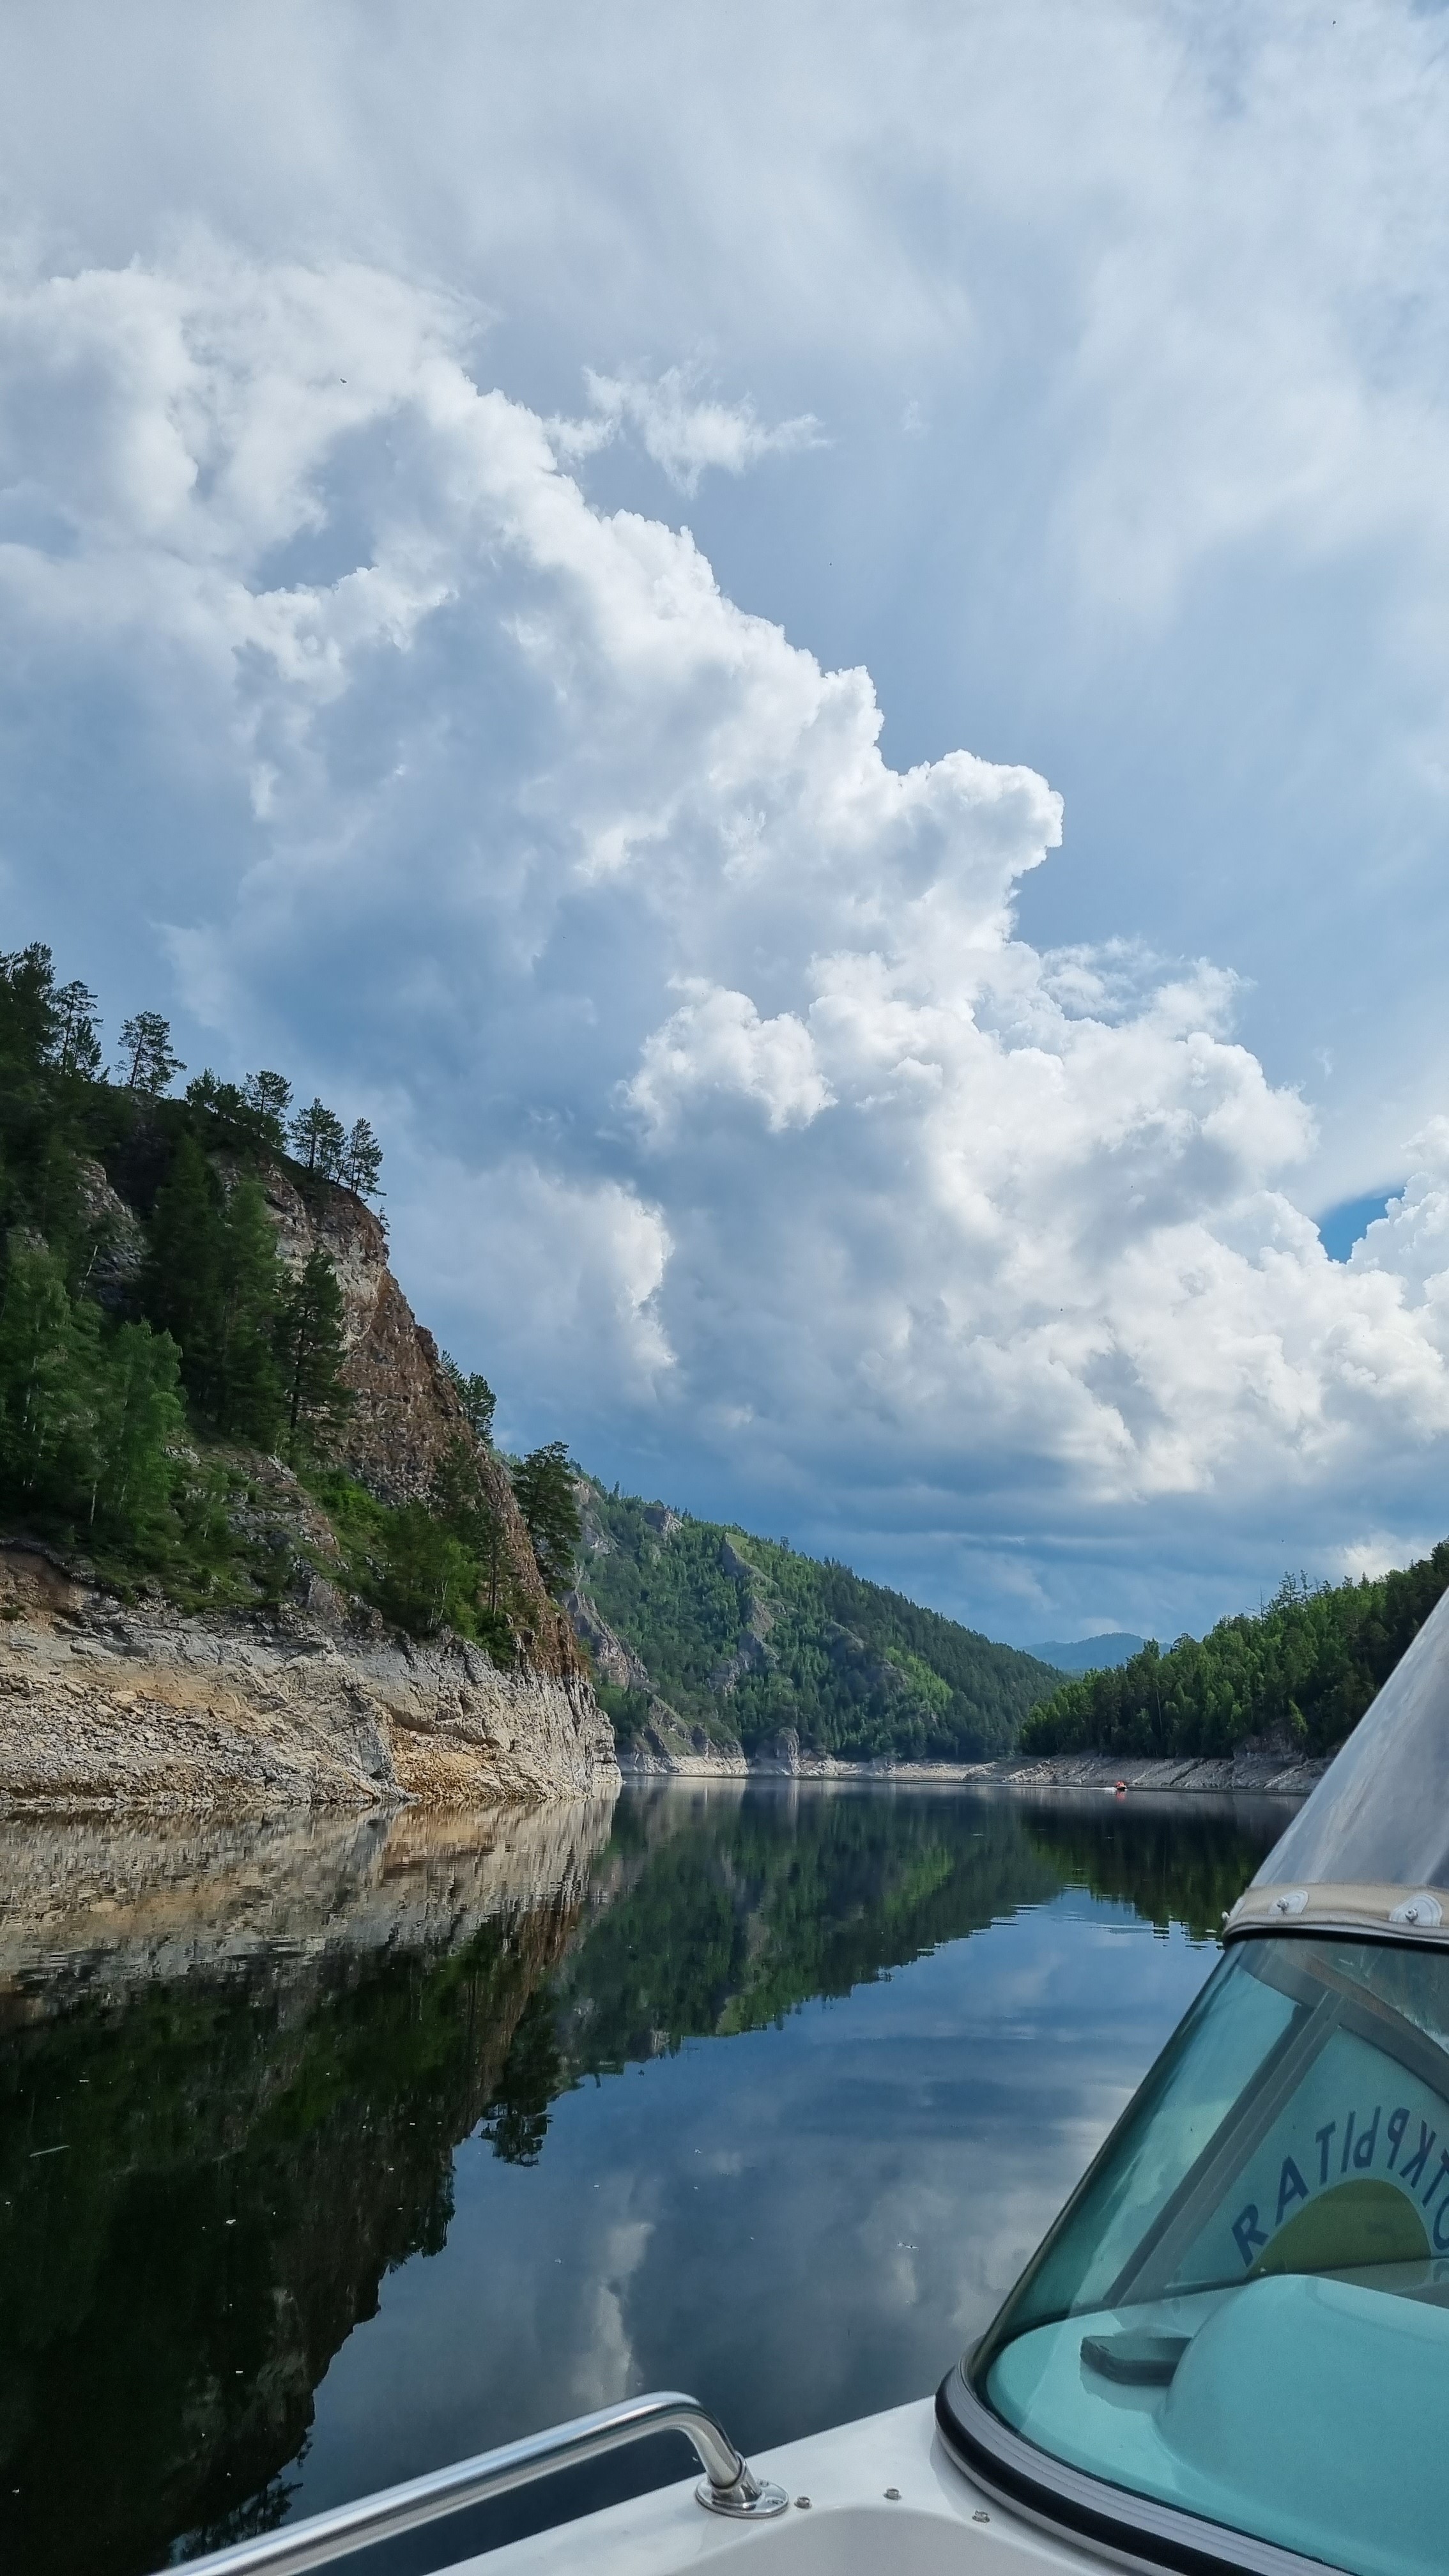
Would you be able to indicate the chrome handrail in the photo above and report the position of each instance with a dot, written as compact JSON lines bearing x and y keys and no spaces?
{"x":728,"y":2486}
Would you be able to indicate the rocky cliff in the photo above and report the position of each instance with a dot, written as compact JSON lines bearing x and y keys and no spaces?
{"x":105,"y":1705}
{"x":312,"y":1702}
{"x":405,"y":1410}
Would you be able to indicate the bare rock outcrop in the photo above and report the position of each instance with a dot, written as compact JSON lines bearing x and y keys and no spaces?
{"x":614,"y":1661}
{"x":405,"y":1411}
{"x":118,"y":1246}
{"x":107,"y":1707}
{"x":1257,"y":1763}
{"x":667,"y":1744}
{"x":668,"y":1747}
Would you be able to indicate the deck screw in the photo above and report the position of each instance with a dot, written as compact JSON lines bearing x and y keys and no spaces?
{"x":979,"y":2516}
{"x":893,"y":2495}
{"x":804,"y":2503}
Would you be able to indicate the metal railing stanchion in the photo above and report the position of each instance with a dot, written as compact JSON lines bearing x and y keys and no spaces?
{"x":728,"y":2486}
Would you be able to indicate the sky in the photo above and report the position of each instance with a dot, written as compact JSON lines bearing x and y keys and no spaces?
{"x":806,"y":650}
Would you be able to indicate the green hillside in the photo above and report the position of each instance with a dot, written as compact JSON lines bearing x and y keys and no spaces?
{"x":1304,"y":1668}
{"x":172,"y":1399}
{"x":743,"y":1636}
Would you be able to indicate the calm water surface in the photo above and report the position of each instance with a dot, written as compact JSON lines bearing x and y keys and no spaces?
{"x":332,"y":2152}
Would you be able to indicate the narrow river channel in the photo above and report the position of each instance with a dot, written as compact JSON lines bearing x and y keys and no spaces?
{"x":334,"y":2150}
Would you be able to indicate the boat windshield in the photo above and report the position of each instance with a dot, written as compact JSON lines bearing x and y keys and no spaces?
{"x":1244,"y":2311}
{"x":1381,"y":1810}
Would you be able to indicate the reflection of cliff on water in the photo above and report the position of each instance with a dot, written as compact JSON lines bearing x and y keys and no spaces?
{"x":110,"y":1902}
{"x":237,"y":2061}
{"x":235,"y":2069}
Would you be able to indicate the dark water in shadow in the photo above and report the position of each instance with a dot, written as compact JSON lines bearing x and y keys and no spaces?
{"x":332,"y":2152}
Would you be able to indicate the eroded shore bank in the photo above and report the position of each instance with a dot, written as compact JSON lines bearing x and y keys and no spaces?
{"x":1255,"y":1766}
{"x":106,"y":1706}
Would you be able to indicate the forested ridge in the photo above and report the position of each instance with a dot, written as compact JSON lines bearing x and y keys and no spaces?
{"x":160,"y":1357}
{"x":1303,"y":1669}
{"x":745,"y":1636}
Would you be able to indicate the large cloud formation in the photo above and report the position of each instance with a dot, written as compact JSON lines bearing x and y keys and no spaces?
{"x":732,"y":1123}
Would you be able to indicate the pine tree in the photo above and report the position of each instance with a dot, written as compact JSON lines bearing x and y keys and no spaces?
{"x":77,"y":1038}
{"x":250,"y":1401}
{"x":269,"y":1097}
{"x":476,"y":1397}
{"x":311,"y":1348}
{"x":464,"y":1505}
{"x":44,"y":1381}
{"x":183,"y":1284}
{"x":432,"y":1578}
{"x":138,"y":1419}
{"x":29,"y":1014}
{"x":544,"y":1484}
{"x":361,"y":1165}
{"x":39,"y":1128}
{"x":319,"y":1140}
{"x":151,"y":1063}
{"x":249,"y":1118}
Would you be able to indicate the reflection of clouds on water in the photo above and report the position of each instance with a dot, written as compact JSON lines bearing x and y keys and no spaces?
{"x":800,"y":2224}
{"x":603,"y":2368}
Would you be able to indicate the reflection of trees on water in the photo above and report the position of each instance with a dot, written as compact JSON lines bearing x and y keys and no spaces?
{"x":242,"y":2162}
{"x":223,"y":2122}
{"x":727,"y":1918}
{"x":204,"y":2177}
{"x":1181,"y":1861}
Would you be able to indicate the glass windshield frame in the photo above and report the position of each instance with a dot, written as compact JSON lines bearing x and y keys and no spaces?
{"x":1379,"y":1818}
{"x":1324,"y":1996}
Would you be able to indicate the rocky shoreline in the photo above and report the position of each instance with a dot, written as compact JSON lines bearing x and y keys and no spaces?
{"x":1266,"y":1768}
{"x":109,"y":1707}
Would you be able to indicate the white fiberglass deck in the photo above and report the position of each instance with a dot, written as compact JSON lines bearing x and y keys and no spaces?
{"x":851,"y":2527}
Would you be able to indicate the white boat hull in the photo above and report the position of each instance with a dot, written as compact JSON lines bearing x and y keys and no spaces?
{"x":936,"y":2521}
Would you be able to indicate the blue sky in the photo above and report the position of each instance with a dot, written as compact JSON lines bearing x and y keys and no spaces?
{"x":807,"y":651}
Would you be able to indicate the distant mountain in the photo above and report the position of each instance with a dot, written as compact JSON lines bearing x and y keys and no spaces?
{"x":699,"y":1628}
{"x":1091,"y":1654}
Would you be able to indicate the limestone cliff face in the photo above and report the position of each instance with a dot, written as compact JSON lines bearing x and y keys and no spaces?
{"x":405,"y":1411}
{"x":108,"y":1707}
{"x":316,"y":1705}
{"x":614,"y":1661}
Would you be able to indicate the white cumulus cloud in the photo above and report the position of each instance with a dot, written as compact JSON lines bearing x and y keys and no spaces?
{"x":734,"y":1120}
{"x":717,"y":1043}
{"x":684,"y":428}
